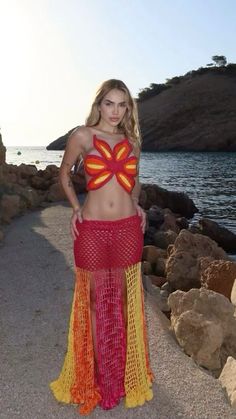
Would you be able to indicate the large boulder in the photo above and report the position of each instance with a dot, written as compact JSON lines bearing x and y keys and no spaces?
{"x":24,"y":187}
{"x":30,"y":198}
{"x":177,"y":202}
{"x":219,"y":276}
{"x":27,"y":170}
{"x":10,"y":206}
{"x":182,"y":267}
{"x":222,"y":236}
{"x":227,"y":379}
{"x":205,"y":327}
{"x":233,"y":295}
{"x":163,"y":239}
{"x":152,"y":254}
{"x":55,"y":193}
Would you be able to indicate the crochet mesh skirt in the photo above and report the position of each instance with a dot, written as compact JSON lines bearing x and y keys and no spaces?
{"x":107,"y":355}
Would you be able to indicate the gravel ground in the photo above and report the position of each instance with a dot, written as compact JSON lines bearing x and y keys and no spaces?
{"x":36,"y":288}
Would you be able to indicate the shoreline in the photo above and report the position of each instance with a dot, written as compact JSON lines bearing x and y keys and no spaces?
{"x":195,"y":175}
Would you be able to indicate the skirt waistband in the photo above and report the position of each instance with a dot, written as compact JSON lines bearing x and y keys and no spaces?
{"x":110,"y":223}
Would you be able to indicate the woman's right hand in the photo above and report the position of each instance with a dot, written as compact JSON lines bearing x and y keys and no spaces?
{"x":76,"y":216}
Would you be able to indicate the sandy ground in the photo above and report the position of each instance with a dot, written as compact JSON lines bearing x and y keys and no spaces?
{"x":36,"y":288}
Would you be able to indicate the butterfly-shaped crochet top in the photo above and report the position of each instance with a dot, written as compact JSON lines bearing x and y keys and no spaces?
{"x":111,"y":162}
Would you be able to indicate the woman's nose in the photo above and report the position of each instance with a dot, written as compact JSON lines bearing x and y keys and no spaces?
{"x":115,"y":110}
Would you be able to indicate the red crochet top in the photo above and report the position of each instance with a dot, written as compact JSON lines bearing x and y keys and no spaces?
{"x":111,"y":162}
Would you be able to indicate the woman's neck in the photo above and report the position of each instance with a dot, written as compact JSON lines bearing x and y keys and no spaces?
{"x":106,"y":131}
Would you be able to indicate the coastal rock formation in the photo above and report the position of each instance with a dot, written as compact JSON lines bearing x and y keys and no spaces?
{"x":24,"y":187}
{"x":177,"y":202}
{"x":204,"y":324}
{"x":152,"y":253}
{"x":60,"y":143}
{"x":10,"y":207}
{"x":2,"y":151}
{"x":194,"y":112}
{"x":163,"y":239}
{"x":219,"y":276}
{"x":233,"y":295}
{"x":197,"y":113}
{"x":227,"y":379}
{"x":182,"y":267}
{"x":224,"y":237}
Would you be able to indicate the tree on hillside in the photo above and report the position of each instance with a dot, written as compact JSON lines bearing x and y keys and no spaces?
{"x":153,"y":90}
{"x":220,"y":60}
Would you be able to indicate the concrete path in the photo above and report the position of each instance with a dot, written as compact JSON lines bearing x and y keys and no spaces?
{"x":36,"y":288}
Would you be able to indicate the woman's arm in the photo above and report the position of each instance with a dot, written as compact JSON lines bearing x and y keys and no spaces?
{"x":74,"y":148}
{"x":135,"y":196}
{"x":137,"y":187}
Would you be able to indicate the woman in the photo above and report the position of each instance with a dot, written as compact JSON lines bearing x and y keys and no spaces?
{"x":107,"y":356}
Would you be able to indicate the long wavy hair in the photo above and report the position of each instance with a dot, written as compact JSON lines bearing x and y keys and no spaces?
{"x":129,"y":124}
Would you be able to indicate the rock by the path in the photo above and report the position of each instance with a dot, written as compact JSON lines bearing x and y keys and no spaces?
{"x":204,"y":325}
{"x":9,"y":207}
{"x":228,"y":380}
{"x":224,"y":237}
{"x":233,"y":295}
{"x":152,"y":253}
{"x":182,"y":267}
{"x":219,"y":276}
{"x":163,"y":239}
{"x":24,"y":187}
{"x":56,"y":193}
{"x":177,"y":202}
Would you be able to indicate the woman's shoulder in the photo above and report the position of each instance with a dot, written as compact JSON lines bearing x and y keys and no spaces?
{"x":81,"y":134}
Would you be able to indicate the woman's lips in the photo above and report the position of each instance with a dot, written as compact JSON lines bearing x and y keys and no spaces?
{"x":114,"y":119}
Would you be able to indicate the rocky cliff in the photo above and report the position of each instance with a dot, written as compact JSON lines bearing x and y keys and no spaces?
{"x":197,"y":114}
{"x":194,"y":112}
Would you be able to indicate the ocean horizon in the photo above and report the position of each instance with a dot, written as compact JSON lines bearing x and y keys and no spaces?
{"x":208,"y":178}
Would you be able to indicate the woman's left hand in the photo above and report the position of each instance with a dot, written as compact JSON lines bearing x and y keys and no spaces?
{"x":143,"y":215}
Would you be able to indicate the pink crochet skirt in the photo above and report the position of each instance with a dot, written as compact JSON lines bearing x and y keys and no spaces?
{"x":108,"y":284}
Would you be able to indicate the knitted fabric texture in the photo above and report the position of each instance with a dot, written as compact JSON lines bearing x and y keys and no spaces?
{"x":108,"y":162}
{"x":108,"y":275}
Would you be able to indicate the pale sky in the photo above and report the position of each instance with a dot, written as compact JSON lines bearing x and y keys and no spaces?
{"x":56,"y":53}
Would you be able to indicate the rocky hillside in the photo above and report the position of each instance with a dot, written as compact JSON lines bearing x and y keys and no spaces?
{"x":59,"y":143}
{"x":195,"y":112}
{"x":198,"y":114}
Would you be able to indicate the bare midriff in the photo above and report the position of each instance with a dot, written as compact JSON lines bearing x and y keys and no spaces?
{"x":110,"y":202}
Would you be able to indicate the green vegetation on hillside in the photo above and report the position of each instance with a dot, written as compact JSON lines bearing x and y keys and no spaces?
{"x":219,"y":67}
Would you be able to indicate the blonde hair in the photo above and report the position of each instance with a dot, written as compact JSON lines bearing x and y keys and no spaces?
{"x":129,"y":124}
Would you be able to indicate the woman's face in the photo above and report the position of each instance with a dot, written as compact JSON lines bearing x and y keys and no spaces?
{"x":113,"y":107}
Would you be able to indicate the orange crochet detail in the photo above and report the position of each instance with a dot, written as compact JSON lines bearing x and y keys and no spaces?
{"x":117,"y":161}
{"x":108,"y":277}
{"x":123,"y":368}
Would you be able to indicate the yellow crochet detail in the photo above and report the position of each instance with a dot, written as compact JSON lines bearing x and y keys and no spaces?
{"x":138,"y":376}
{"x":76,"y":383}
{"x":61,"y":387}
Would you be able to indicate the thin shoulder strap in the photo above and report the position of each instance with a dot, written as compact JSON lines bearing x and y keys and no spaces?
{"x":72,"y":131}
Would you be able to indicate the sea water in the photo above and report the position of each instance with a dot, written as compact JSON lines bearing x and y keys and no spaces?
{"x":208,"y":178}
